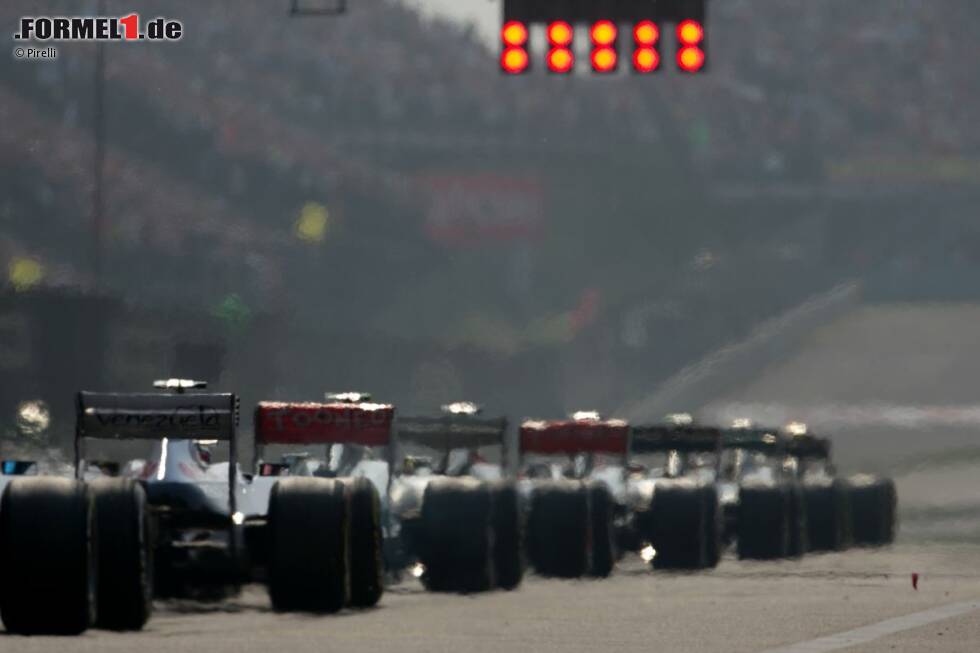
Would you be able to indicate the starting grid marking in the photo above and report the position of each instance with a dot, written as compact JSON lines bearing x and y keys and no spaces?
{"x":881,"y":629}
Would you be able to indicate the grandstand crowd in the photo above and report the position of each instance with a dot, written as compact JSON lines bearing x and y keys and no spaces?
{"x":214,"y":144}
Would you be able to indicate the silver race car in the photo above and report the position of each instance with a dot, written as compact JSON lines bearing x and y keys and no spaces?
{"x":93,"y":550}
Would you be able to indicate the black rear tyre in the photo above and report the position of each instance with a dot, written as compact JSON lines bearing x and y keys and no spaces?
{"x":872,"y":503}
{"x":366,"y":556}
{"x":677,"y":525}
{"x":308,"y":538}
{"x":603,"y":547}
{"x":827,"y":514}
{"x":558,"y":532}
{"x":48,"y":565}
{"x":125,"y":598}
{"x":508,"y":554}
{"x":714,"y":525}
{"x":456,"y":536}
{"x":763,"y":521}
{"x":798,"y":544}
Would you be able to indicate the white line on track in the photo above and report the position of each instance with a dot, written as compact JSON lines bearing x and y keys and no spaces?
{"x":870,"y":633}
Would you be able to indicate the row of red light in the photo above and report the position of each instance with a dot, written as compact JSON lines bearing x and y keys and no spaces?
{"x":604,"y":57}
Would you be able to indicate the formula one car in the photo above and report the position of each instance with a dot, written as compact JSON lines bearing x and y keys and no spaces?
{"x":457,"y":518}
{"x":762,"y":499}
{"x":453,"y":522}
{"x":677,"y":516}
{"x":351,"y":421}
{"x":77,"y":553}
{"x":11,"y":469}
{"x":858,"y":510}
{"x":570,"y":513}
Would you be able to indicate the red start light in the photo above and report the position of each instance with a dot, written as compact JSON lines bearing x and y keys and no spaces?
{"x":690,"y":59}
{"x":514,"y":60}
{"x":646,"y":60}
{"x":560,"y":60}
{"x":646,"y":33}
{"x":690,"y":32}
{"x":604,"y":60}
{"x":560,"y":33}
{"x":514,"y":33}
{"x":604,"y":32}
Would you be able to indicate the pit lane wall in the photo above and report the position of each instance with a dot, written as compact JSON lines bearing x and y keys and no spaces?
{"x":727,"y":367}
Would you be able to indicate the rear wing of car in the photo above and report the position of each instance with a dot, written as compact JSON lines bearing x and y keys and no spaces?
{"x":809,"y":446}
{"x":769,"y":441}
{"x":362,"y":423}
{"x":454,"y":431}
{"x":681,"y":438}
{"x":610,"y":436}
{"x":158,"y":416}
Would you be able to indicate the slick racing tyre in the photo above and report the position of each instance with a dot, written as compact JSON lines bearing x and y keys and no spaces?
{"x":826,"y":503}
{"x":456,"y":548}
{"x":714,"y":525}
{"x":763,"y":521}
{"x":508,"y":554}
{"x":872,"y":502}
{"x":48,"y":550}
{"x":366,"y":542}
{"x":798,"y":544}
{"x":125,"y":597}
{"x":558,"y":530}
{"x":602,"y":545}
{"x":677,"y":525}
{"x":309,"y":520}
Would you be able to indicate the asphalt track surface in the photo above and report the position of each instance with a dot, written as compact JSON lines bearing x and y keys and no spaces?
{"x":739,"y":607}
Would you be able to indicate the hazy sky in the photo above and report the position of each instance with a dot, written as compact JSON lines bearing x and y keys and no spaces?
{"x":484,"y":14}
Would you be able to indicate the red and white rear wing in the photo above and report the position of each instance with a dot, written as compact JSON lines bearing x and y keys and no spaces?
{"x":154,"y":416}
{"x":574,"y":436}
{"x":316,"y":423}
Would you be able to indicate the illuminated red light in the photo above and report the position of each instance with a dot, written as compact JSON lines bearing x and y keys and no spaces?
{"x":514,"y":33}
{"x":604,"y":33}
{"x":604,"y":60}
{"x":646,"y":60}
{"x":646,"y":33}
{"x":560,"y":33}
{"x":690,"y":32}
{"x":514,"y":60}
{"x":690,"y":59}
{"x":560,"y":60}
